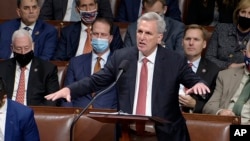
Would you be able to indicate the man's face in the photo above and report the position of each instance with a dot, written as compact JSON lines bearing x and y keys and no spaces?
{"x":101,"y":30}
{"x":245,"y":12}
{"x":22,"y":45}
{"x":193,"y":43}
{"x":87,"y":5}
{"x":157,"y":8}
{"x":28,"y":11}
{"x":147,"y":36}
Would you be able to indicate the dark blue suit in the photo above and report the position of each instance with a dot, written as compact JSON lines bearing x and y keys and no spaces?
{"x":44,"y":36}
{"x":70,"y":37}
{"x":172,"y":37}
{"x":170,"y":69}
{"x":20,"y":123}
{"x":79,"y":68}
{"x":129,"y":10}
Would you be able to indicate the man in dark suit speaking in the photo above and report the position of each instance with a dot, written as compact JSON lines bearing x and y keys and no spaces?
{"x":160,"y":70}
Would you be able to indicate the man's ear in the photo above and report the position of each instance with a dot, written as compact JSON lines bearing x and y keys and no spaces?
{"x":165,"y":9}
{"x":18,"y":12}
{"x":110,"y":38}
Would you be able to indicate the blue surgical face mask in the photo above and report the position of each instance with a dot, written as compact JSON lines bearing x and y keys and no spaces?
{"x":247,"y":62}
{"x":100,"y":45}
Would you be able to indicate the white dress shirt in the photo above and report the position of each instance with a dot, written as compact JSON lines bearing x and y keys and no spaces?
{"x":17,"y":78}
{"x":150,"y":65}
{"x":3,"y":112}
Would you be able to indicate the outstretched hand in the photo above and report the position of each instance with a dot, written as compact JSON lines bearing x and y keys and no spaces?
{"x":199,"y":88}
{"x":63,"y":93}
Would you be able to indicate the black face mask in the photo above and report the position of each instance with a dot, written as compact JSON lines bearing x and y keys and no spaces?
{"x":244,"y":22}
{"x":24,"y":59}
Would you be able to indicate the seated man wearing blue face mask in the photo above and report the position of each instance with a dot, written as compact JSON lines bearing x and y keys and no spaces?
{"x":87,"y":64}
{"x":75,"y":38}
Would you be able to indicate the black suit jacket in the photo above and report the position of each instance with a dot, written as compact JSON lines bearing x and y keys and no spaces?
{"x":70,"y":37}
{"x":208,"y":71}
{"x":56,"y":9}
{"x":42,"y":80}
{"x":170,"y":70}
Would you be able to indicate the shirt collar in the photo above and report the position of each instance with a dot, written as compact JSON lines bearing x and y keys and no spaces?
{"x":151,"y":57}
{"x":30,"y":26}
{"x":3,"y":109}
{"x":104,"y":56}
{"x":195,"y":63}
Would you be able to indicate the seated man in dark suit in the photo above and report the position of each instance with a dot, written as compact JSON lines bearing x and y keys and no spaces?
{"x":18,"y":120}
{"x":28,"y":78}
{"x":194,"y":43}
{"x":43,"y":34}
{"x":84,"y":65}
{"x":75,"y":37}
{"x":130,"y":10}
{"x":174,"y":29}
{"x":65,"y":11}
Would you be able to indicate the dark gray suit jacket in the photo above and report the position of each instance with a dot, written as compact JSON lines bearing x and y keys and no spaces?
{"x":42,"y":80}
{"x":170,"y":69}
{"x":56,"y":9}
{"x":172,"y":37}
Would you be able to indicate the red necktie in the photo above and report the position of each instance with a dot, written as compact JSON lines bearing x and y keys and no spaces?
{"x":141,"y":101}
{"x":87,"y":47}
{"x":21,"y":87}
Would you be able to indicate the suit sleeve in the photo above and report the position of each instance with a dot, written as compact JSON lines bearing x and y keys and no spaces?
{"x":50,"y":44}
{"x":52,"y":84}
{"x":69,"y":78}
{"x":30,"y":130}
{"x":212,"y":49}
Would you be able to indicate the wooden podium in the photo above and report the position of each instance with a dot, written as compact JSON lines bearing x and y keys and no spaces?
{"x":126,"y":120}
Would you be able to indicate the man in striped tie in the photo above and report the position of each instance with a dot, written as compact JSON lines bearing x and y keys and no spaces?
{"x":28,"y":78}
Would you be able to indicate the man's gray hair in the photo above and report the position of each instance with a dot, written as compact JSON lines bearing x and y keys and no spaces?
{"x":152,"y":16}
{"x":21,"y":33}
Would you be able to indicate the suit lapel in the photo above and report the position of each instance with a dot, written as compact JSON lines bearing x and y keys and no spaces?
{"x":232,"y":87}
{"x":12,"y":70}
{"x":157,"y":74}
{"x":202,"y":68}
{"x":87,"y":64}
{"x":75,"y":37}
{"x":133,"y":58}
{"x":37,"y":30}
{"x":34,"y":68}
{"x":63,"y":4}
